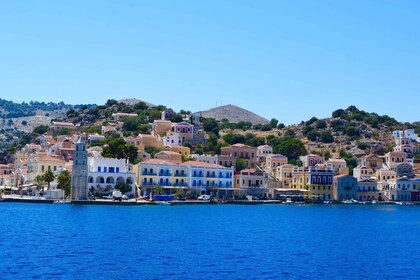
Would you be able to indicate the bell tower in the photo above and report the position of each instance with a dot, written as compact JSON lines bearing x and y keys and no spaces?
{"x":79,"y":178}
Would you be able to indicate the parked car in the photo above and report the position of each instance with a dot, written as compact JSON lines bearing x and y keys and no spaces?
{"x":204,"y":197}
{"x":117,"y":195}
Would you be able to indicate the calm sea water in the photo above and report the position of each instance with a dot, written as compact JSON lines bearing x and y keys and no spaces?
{"x":209,"y":242}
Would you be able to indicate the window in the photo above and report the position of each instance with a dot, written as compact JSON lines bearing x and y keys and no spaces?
{"x":111,"y":170}
{"x":99,"y":169}
{"x":105,"y":169}
{"x":118,"y":170}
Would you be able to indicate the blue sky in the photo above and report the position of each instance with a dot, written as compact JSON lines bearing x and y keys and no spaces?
{"x":285,"y":59}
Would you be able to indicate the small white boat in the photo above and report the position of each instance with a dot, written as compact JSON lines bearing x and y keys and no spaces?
{"x":374,"y":202}
{"x":327,"y":201}
{"x":164,"y":203}
{"x":349,"y":201}
{"x":399,"y":203}
{"x":288,"y":201}
{"x":299,"y":202}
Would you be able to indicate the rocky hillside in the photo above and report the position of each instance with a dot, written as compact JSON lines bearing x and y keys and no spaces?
{"x":134,"y":101}
{"x":232,"y":113}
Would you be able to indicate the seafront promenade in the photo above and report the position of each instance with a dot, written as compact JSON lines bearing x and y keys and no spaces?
{"x":143,"y":202}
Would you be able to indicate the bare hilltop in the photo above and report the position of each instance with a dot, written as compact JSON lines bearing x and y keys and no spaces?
{"x":232,"y":113}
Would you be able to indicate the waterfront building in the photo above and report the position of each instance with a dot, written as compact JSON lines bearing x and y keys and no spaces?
{"x":345,"y":187}
{"x":367,"y":190}
{"x":79,"y":180}
{"x":212,"y":179}
{"x":104,"y":174}
{"x":399,"y":189}
{"x":415,"y":189}
{"x":250,"y":182}
{"x":316,"y":182}
{"x":39,"y":163}
{"x":193,"y":176}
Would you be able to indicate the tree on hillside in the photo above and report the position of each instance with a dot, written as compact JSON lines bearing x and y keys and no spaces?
{"x":338,"y":113}
{"x":273,"y":123}
{"x":291,"y":148}
{"x":210,"y":124}
{"x":327,"y":137}
{"x":41,"y":129}
{"x":233,"y":138}
{"x":118,"y":148}
{"x":313,"y":135}
{"x":320,"y":124}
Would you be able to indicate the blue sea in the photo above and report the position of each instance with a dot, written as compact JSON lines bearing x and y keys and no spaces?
{"x":209,"y":242}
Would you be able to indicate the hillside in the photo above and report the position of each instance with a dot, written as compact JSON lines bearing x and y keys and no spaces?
{"x":233,"y":113}
{"x":134,"y":101}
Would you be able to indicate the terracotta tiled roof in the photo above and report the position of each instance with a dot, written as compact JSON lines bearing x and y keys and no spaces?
{"x":158,"y":161}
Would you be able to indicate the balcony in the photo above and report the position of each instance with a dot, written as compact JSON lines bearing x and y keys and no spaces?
{"x":180,"y":185}
{"x":198,"y":175}
{"x":148,"y":174}
{"x":148,"y":184}
{"x":211,"y":176}
{"x":165,"y":174}
{"x":180,"y":175}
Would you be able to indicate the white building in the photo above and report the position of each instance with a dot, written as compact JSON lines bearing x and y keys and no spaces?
{"x":105,"y":173}
{"x":172,"y":140}
{"x":263,"y":151}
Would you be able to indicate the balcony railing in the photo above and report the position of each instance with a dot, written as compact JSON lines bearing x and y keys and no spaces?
{"x":198,"y":175}
{"x":165,"y":174}
{"x":148,"y":184}
{"x":180,"y":185}
{"x":148,"y":173}
{"x":180,"y":175}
